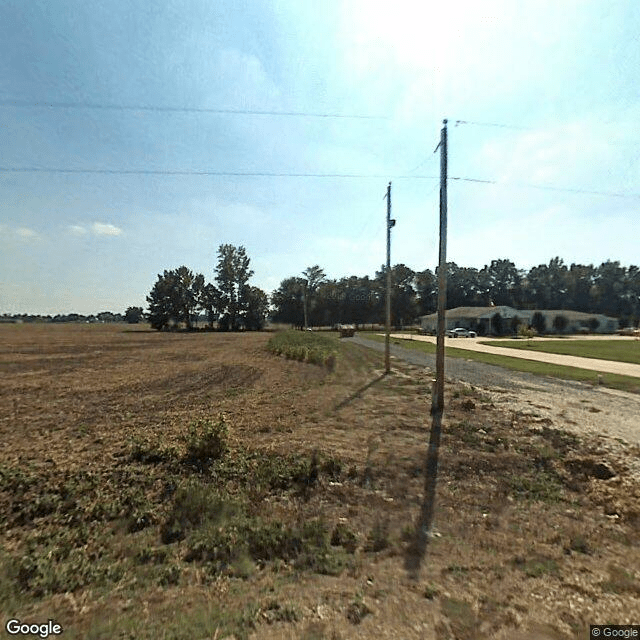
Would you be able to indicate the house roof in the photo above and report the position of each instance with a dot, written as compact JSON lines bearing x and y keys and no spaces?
{"x":509,"y":312}
{"x":476,"y":312}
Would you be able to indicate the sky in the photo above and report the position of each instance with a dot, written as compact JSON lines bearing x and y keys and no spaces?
{"x":162,"y":89}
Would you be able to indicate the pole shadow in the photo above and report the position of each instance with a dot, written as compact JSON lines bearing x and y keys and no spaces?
{"x":417,"y":548}
{"x":358,"y":393}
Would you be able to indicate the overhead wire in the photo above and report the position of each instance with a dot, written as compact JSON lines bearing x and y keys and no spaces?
{"x":284,"y":174}
{"x":171,"y":109}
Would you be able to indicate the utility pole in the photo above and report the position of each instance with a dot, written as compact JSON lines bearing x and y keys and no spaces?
{"x":425,"y":524}
{"x":438,"y":405}
{"x":304,"y":301}
{"x":390,"y":223}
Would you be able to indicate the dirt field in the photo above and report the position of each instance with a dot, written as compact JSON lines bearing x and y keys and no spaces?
{"x":315,"y":502}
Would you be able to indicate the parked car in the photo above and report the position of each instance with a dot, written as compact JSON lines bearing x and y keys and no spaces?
{"x":460,"y":332}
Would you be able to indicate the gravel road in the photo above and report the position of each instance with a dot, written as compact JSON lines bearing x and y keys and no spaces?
{"x":582,"y":408}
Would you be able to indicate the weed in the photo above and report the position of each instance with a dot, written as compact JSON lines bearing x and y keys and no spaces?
{"x":620,"y":581}
{"x":430,"y":592}
{"x":342,"y":536}
{"x":579,"y":543}
{"x":538,"y":566}
{"x":544,"y":486}
{"x":378,"y":538}
{"x":273,"y":611}
{"x":193,"y":505}
{"x":357,"y":611}
{"x":206,"y":441}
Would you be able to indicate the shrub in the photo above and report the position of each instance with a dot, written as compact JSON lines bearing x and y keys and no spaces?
{"x":539,"y":322}
{"x":527,"y":332}
{"x":560,"y":323}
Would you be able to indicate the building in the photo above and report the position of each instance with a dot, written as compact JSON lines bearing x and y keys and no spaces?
{"x":496,"y":320}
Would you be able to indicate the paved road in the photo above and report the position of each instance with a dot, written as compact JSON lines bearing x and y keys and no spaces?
{"x":592,"y":364}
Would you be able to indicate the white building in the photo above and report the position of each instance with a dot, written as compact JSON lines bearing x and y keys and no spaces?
{"x":501,"y":320}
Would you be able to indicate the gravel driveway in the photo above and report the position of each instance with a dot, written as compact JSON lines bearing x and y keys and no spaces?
{"x":575,"y":406}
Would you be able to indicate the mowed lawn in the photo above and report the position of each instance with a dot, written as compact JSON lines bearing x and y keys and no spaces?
{"x":618,"y":350}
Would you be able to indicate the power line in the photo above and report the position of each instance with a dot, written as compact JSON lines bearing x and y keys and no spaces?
{"x":544,"y":187}
{"x":492,"y":124}
{"x":168,"y":109}
{"x":275,"y":174}
{"x":207,"y":172}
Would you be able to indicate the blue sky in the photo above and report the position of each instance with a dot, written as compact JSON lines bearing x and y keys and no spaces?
{"x":565,"y":72}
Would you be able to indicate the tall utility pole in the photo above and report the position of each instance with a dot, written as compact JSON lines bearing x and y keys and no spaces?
{"x":390,"y":223}
{"x":425,"y":528}
{"x":438,"y":405}
{"x":304,"y":302}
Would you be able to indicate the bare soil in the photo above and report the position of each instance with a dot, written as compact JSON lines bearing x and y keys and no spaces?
{"x":536,"y":532}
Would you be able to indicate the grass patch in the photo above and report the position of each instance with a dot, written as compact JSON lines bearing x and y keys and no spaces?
{"x":543,"y":486}
{"x":612,"y":380}
{"x":305,"y":346}
{"x":618,"y":350}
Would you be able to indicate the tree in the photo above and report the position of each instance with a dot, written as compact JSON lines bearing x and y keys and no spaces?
{"x":501,"y":283}
{"x":287,"y":302}
{"x":257,"y":308}
{"x":211,"y":302}
{"x":232,"y":276}
{"x":314,"y":276}
{"x":560,"y":323}
{"x":133,"y":315}
{"x":174,"y":298}
{"x":547,"y":285}
{"x":515,"y":324}
{"x":403,"y":295}
{"x":426,"y":288}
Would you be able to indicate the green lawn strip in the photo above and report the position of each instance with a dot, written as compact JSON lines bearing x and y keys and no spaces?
{"x":612,"y":380}
{"x":618,"y":350}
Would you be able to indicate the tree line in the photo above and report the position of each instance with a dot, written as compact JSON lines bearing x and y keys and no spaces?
{"x":610,"y":289}
{"x":180,"y":296}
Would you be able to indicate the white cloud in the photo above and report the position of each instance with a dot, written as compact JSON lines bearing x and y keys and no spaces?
{"x":77,"y":230}
{"x":105,"y":229}
{"x":24,"y":232}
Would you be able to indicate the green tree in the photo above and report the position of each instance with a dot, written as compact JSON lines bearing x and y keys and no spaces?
{"x":232,"y":277}
{"x":174,"y":298}
{"x":501,"y":283}
{"x":257,"y":308}
{"x":314,"y":277}
{"x":133,"y":315}
{"x":287,"y":302}
{"x":426,"y":288}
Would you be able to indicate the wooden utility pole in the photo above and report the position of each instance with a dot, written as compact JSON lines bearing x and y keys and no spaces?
{"x":304,"y":302}
{"x":390,"y":223}
{"x":425,"y":524}
{"x":438,"y":404}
